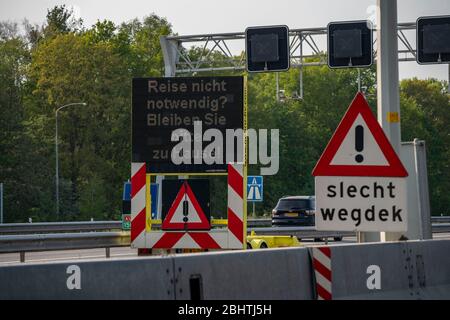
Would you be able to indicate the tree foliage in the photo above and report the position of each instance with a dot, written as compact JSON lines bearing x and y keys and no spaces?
{"x":63,"y":61}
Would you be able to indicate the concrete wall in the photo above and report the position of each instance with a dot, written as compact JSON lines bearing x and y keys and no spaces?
{"x":148,"y":278}
{"x":255,"y":274}
{"x":409,"y":270}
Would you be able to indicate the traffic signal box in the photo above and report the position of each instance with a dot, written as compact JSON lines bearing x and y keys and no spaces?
{"x":267,"y":48}
{"x":350,"y":44}
{"x":433,"y":40}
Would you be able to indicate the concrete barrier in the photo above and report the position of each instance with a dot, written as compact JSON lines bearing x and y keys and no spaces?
{"x":408,"y":270}
{"x":255,"y":274}
{"x":350,"y":263}
{"x":431,"y":262}
{"x":145,"y":278}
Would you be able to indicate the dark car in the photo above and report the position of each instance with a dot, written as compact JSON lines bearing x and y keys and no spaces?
{"x":294,"y":211}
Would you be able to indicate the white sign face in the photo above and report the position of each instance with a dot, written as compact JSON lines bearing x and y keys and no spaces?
{"x":361,"y":203}
{"x":359,"y":137}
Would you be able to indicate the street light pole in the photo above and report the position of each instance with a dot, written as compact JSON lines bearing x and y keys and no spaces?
{"x":1,"y":202}
{"x":56,"y":151}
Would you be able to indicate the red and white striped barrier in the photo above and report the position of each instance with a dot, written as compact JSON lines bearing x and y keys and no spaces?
{"x":236,"y":232}
{"x":232,"y":237}
{"x":186,"y":240}
{"x":322,"y":272}
{"x":138,"y":172}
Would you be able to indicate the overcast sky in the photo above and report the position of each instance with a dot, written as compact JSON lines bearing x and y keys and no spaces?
{"x":214,"y":16}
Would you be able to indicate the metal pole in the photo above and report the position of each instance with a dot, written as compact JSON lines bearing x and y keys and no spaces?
{"x":56,"y":151}
{"x":388,"y":102}
{"x":159,"y":180}
{"x":1,"y":202}
{"x":448,"y":88}
{"x":359,"y":80}
{"x":57,"y":167}
{"x":254,"y":209}
{"x":278,"y":87}
{"x":420,"y":160}
{"x":388,"y":99}
{"x":301,"y":67}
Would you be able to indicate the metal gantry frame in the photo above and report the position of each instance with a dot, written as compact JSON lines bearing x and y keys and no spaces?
{"x":304,"y":44}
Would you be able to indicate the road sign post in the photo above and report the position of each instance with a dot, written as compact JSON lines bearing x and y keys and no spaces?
{"x":1,"y":202}
{"x":388,"y":100}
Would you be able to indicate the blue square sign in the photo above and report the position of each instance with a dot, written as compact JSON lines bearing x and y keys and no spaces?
{"x":254,"y":188}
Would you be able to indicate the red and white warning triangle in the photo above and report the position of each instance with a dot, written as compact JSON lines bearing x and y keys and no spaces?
{"x":359,"y":147}
{"x":195,"y":218}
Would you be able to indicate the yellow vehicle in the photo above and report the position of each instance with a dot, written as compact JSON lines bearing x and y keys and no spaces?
{"x":262,"y":242}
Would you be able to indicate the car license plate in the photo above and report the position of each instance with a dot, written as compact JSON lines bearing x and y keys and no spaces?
{"x":291,"y":214}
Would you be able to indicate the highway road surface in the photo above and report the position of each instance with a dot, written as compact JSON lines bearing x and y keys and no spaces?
{"x":122,"y":252}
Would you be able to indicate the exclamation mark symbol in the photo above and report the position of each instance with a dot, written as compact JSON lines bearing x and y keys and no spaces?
{"x":359,"y":143}
{"x":185,"y":205}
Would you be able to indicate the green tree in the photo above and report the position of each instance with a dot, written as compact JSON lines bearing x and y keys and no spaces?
{"x":425,"y":115}
{"x":143,"y":50}
{"x":93,"y":66}
{"x":94,"y":138}
{"x":20,"y":163}
{"x":61,"y":62}
{"x":60,"y":19}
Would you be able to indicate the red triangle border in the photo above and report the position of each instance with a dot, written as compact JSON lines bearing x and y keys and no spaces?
{"x":202,"y":225}
{"x":325,"y":168}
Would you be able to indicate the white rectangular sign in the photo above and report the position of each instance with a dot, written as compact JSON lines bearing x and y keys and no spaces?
{"x":361,"y":203}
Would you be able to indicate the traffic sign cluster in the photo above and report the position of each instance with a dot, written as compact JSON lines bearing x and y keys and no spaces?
{"x":350,"y":44}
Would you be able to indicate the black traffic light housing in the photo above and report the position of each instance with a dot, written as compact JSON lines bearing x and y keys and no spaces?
{"x":267,"y":48}
{"x":350,"y":44}
{"x":433,"y":40}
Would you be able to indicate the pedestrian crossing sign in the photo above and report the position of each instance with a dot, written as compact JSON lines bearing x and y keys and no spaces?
{"x":254,"y":188}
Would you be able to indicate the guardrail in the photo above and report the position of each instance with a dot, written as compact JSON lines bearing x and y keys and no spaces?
{"x":440,"y":219}
{"x":440,"y":227}
{"x":63,"y":241}
{"x":301,"y":232}
{"x":83,"y":226}
{"x":48,"y":227}
{"x":107,"y":240}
